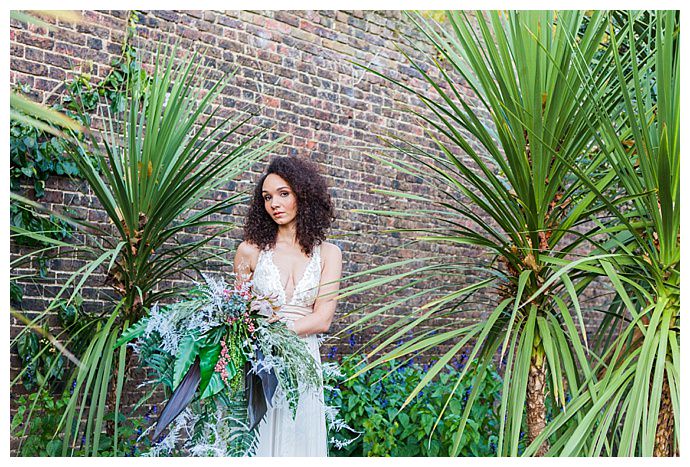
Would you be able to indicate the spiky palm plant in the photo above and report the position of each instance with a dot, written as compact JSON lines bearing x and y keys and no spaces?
{"x":150,"y":171}
{"x":634,"y":407}
{"x":509,"y":192}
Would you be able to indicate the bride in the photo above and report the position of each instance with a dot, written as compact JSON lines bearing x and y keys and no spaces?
{"x":285,"y":254}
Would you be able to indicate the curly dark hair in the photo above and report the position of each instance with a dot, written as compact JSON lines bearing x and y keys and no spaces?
{"x":315,"y":211}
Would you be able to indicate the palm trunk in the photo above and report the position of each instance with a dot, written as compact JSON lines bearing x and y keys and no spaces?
{"x":536,"y":409}
{"x":663,"y":444}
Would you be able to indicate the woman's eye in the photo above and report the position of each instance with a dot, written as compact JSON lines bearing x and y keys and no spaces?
{"x":285,"y":193}
{"x":266,"y":198}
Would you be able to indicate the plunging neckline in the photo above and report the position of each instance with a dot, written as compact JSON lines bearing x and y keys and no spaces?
{"x":280,"y":279}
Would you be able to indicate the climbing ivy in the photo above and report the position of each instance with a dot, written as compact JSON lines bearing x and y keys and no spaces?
{"x":35,"y":155}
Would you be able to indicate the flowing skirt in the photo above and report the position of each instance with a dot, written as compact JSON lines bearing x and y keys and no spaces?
{"x":304,"y":436}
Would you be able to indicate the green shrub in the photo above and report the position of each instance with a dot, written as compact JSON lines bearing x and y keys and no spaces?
{"x":369,"y":404}
{"x":39,"y":439}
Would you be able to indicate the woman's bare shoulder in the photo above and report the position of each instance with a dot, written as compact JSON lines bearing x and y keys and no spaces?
{"x":248,"y":250}
{"x":331,"y":251}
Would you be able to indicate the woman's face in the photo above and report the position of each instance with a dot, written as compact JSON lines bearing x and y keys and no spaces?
{"x":280,"y":201}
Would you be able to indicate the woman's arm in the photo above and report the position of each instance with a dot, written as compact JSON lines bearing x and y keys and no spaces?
{"x":324,"y":306}
{"x":243,"y":264}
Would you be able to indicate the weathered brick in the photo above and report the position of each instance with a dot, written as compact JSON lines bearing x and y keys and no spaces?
{"x":339,"y":47}
{"x":286,"y":17}
{"x":34,"y":55}
{"x":31,"y":68}
{"x":317,"y":29}
{"x":167,"y":15}
{"x":188,"y":33}
{"x":46,"y":84}
{"x":26,"y":37}
{"x":58,"y":60}
{"x":70,"y":49}
{"x":16,"y":50}
{"x":94,"y":43}
{"x":231,"y":22}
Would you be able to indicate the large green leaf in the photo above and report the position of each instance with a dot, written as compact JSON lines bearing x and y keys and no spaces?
{"x":187,"y":351}
{"x":208,"y":355}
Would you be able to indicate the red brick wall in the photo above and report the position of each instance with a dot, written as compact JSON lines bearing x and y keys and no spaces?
{"x":293,"y":70}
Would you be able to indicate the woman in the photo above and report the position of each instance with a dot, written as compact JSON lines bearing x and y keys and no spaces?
{"x":285,"y":254}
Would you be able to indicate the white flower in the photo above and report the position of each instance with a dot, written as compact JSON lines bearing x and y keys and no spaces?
{"x":262,"y":307}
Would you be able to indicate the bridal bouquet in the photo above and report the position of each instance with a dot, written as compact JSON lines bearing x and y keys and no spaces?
{"x":223,"y":362}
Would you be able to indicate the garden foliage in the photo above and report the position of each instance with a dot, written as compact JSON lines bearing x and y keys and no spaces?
{"x":370,"y":405}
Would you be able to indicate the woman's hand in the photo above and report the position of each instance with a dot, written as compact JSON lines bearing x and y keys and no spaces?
{"x":274,"y":317}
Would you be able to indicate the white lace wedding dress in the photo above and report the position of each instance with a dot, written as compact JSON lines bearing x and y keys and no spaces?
{"x":279,"y":433}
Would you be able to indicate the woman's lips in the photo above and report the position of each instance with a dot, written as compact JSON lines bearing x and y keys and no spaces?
{"x":278,"y":214}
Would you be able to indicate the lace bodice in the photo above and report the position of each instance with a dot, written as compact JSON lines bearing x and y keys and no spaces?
{"x":266,"y":279}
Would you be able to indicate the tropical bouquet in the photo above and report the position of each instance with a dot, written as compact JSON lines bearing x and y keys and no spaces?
{"x":224,"y":361}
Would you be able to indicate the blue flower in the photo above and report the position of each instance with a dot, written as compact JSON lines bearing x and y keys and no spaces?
{"x":352,"y":340}
{"x":332,"y":353}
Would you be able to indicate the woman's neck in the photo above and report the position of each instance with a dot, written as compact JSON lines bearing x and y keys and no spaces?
{"x":287,"y":234}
